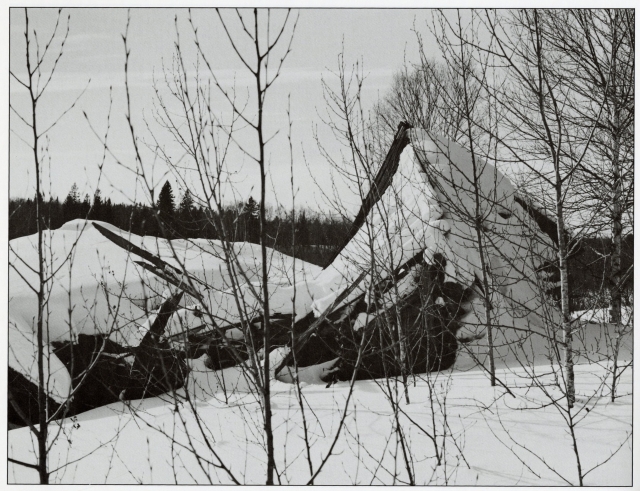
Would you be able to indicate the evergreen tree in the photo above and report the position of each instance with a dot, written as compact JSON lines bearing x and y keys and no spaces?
{"x":74,"y":195}
{"x":251,"y":220}
{"x":186,"y":204}
{"x":166,"y":207}
{"x":71,"y":204}
{"x":186,"y":226}
{"x":85,"y":206}
{"x":96,"y":210}
{"x":107,"y":211}
{"x":166,"y":204}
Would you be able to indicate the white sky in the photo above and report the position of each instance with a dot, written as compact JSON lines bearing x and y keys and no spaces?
{"x":380,"y":38}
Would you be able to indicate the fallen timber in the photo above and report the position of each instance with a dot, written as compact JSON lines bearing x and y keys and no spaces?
{"x":414,"y":333}
{"x":104,"y":371}
{"x":330,"y":335}
{"x":324,"y":329}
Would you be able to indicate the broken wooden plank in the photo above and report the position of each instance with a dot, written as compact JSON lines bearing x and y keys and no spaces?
{"x":304,"y":337}
{"x":169,"y":278}
{"x":152,"y":258}
{"x":379,"y":185}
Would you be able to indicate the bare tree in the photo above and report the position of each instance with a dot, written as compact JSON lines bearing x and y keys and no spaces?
{"x":485,"y":208}
{"x":262,"y":48}
{"x":36,"y":82}
{"x":261,"y":66}
{"x":534,"y":107}
{"x":600,"y":55}
{"x":55,"y":330}
{"x":426,"y":95}
{"x":409,"y":327}
{"x":529,"y":78}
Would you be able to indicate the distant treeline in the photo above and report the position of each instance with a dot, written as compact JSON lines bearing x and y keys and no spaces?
{"x":316,"y":236}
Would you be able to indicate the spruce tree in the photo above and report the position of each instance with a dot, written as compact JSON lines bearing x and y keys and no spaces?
{"x":251,"y":214}
{"x":185,"y":214}
{"x":166,"y":206}
{"x":85,"y":206}
{"x":96,"y":209}
{"x":71,"y":204}
{"x":186,"y":204}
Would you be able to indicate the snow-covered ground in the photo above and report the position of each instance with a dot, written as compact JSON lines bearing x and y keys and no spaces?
{"x":489,"y":437}
{"x":492,"y":438}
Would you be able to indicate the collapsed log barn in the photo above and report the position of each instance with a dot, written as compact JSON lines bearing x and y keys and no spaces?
{"x":384,"y":317}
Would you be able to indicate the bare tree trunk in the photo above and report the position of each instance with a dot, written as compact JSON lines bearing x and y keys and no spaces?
{"x":616,"y":219}
{"x":266,"y":392}
{"x":263,"y":78}
{"x":555,"y":144}
{"x":616,"y":248}
{"x":42,"y":394}
{"x":564,"y":299}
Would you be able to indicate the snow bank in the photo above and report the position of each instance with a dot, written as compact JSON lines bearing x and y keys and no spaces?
{"x":514,"y":346}
{"x":108,"y":293}
{"x":146,"y":441}
{"x":23,"y":359}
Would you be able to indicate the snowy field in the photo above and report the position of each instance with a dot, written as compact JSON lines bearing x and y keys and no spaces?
{"x":483,"y":435}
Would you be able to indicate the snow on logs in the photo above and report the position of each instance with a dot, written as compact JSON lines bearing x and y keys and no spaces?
{"x":420,"y":227}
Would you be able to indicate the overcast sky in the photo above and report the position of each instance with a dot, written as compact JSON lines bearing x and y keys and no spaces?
{"x":93,"y":61}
